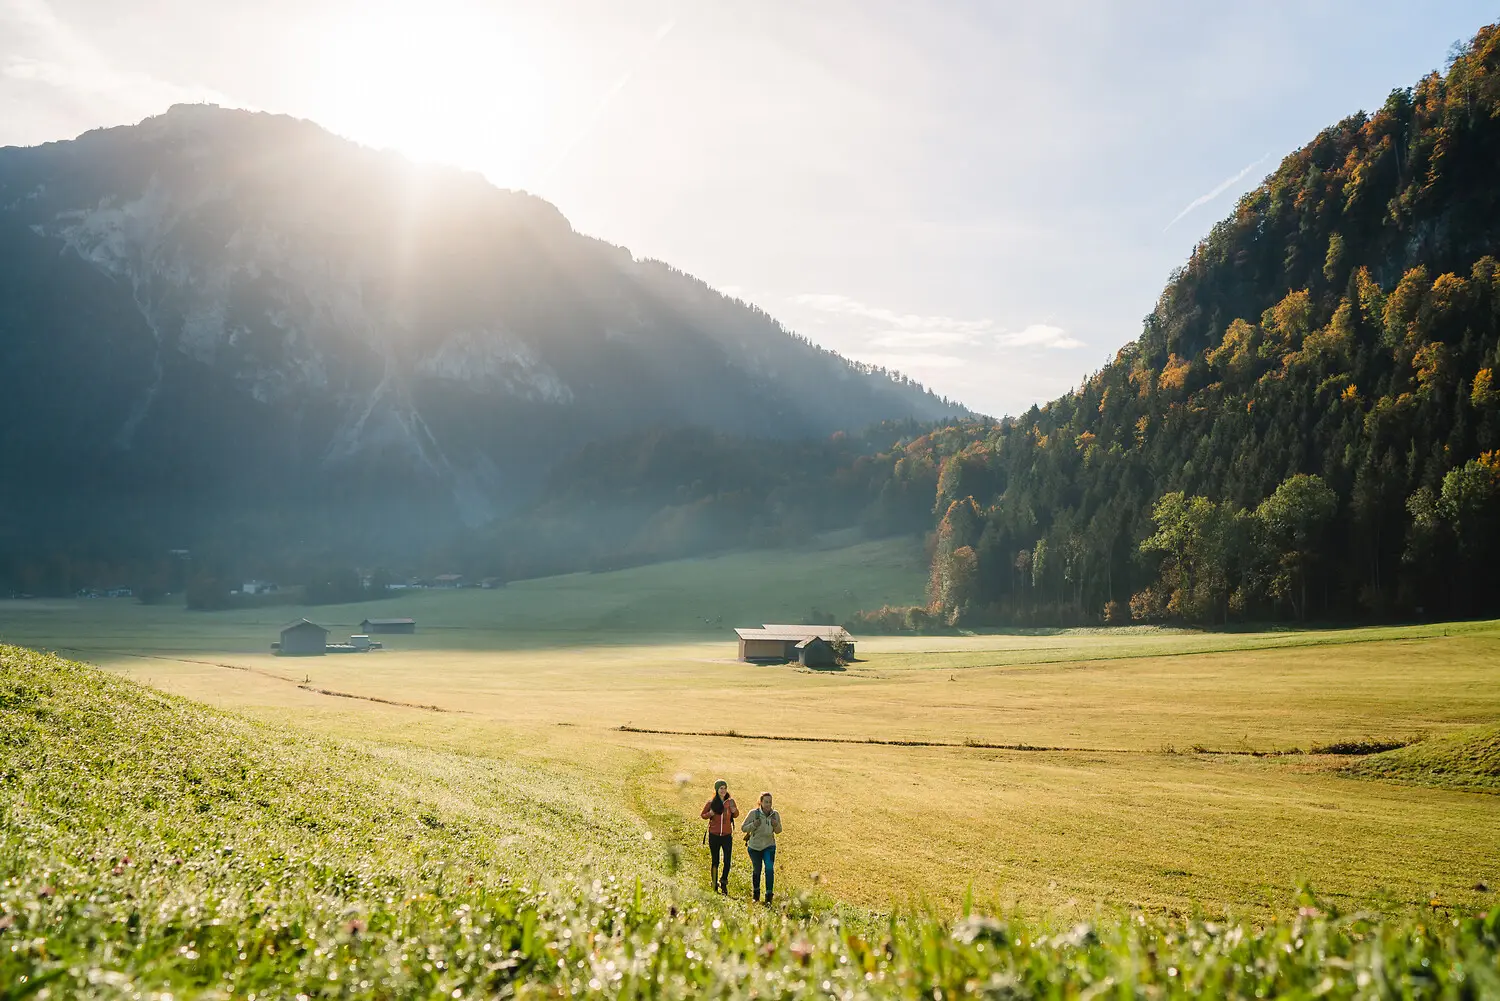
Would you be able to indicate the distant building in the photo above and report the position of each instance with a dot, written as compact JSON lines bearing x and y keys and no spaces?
{"x":303,"y":639}
{"x":836,"y":636}
{"x":490,"y":583}
{"x":448,"y":580}
{"x":369,"y":626}
{"x":786,"y":643}
{"x":816,"y":652}
{"x":257,"y":587}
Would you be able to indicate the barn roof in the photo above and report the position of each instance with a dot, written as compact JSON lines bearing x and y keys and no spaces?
{"x":767,"y":634}
{"x":302,"y":624}
{"x":796,"y":634}
{"x":831,"y":633}
{"x":391,"y":622}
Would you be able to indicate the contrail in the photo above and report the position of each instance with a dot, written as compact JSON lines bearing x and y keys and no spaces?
{"x":1218,"y":190}
{"x":662,"y":31}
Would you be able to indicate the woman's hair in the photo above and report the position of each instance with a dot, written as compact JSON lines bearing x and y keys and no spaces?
{"x":716,"y":804}
{"x":765,"y":794}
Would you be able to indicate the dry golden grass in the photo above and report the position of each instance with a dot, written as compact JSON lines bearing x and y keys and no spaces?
{"x":534,"y":681}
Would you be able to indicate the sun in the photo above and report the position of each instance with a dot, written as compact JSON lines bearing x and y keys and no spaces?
{"x":440,"y":82}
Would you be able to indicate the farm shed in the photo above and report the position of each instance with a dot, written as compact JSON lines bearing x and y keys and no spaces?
{"x":780,"y":642}
{"x":763,"y":644}
{"x":816,"y":652}
{"x":836,"y":636}
{"x":303,"y":639}
{"x":369,"y":626}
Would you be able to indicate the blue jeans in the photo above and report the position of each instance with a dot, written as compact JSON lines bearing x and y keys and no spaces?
{"x":762,"y":857}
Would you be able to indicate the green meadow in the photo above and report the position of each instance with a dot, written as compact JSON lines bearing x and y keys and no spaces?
{"x":159,"y":849}
{"x":583,"y":718}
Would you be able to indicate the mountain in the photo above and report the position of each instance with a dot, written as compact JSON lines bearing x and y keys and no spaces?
{"x":223,"y":318}
{"x":1308,"y":426}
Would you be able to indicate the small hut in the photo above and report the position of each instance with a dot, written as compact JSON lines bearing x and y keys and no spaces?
{"x":369,"y":626}
{"x":836,"y":636}
{"x":787,"y":643}
{"x":303,"y":639}
{"x":816,"y":652}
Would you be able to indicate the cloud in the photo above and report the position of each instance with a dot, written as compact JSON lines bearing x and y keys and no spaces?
{"x":1040,"y":335}
{"x":1218,"y":190}
{"x":41,"y":49}
{"x":878,"y":327}
{"x":843,"y":305}
{"x":980,"y":361}
{"x":590,"y":123}
{"x":917,"y":363}
{"x":916,"y":339}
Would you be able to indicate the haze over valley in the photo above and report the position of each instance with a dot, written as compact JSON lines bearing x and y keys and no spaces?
{"x":411,"y":588}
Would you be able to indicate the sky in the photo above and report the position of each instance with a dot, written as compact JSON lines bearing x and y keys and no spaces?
{"x":986,"y":196}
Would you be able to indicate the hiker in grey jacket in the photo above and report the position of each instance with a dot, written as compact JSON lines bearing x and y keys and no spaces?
{"x":761,"y":826}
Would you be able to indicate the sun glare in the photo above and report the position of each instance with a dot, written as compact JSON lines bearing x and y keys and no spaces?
{"x":441,"y":83}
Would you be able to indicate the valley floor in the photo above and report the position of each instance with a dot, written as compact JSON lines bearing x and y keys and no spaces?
{"x":1152,"y":780}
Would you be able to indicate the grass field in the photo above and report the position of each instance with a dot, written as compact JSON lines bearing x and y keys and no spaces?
{"x":157,"y":849}
{"x":1158,"y":792}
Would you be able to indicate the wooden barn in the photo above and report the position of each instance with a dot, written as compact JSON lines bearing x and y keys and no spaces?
{"x":836,"y":636}
{"x":816,"y":652}
{"x":788,"y":643}
{"x":303,"y":639}
{"x":388,"y":626}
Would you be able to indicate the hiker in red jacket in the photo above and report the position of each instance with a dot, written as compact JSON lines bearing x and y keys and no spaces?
{"x":720,"y":812}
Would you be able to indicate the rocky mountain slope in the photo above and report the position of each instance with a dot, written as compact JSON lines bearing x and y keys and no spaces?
{"x":219,"y":311}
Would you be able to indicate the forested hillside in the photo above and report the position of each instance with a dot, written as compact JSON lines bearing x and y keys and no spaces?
{"x":1309,"y":425}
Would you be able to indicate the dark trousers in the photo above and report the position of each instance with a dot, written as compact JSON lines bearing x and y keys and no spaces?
{"x":720,"y":844}
{"x":762,"y":858}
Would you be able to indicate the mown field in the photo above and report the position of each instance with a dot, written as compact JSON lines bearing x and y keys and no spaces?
{"x":1157,"y":773}
{"x":158,"y":849}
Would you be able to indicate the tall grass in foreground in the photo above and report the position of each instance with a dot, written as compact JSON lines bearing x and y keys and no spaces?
{"x":153,"y":848}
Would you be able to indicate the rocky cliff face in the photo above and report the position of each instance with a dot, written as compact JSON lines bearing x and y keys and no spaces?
{"x":217,"y":307}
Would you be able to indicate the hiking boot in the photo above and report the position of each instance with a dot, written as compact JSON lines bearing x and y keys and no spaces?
{"x":768,"y":900}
